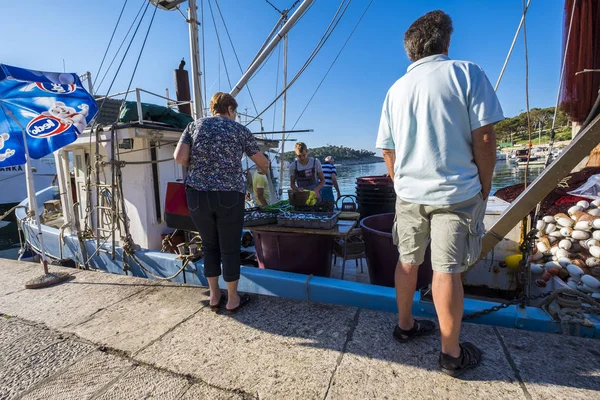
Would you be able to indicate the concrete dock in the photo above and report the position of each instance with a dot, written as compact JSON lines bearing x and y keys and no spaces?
{"x":102,"y":336}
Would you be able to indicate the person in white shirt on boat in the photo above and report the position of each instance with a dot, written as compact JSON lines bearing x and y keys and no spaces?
{"x":438,"y":141}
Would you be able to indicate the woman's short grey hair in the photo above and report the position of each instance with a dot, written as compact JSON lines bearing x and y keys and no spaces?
{"x":428,"y":35}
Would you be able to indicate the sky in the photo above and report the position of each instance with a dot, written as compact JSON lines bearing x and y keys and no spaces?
{"x":74,"y":35}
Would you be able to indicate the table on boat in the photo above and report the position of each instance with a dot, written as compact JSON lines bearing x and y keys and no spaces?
{"x":300,"y":250}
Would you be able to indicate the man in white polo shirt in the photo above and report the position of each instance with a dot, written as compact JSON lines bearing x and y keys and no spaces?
{"x":438,"y":141}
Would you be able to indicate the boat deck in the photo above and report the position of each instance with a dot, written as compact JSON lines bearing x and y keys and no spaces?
{"x":110,"y":336}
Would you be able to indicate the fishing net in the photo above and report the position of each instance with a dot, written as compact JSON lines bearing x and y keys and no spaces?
{"x":580,"y":91}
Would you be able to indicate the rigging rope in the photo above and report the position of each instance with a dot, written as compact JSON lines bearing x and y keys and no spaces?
{"x":138,"y":59}
{"x":235,"y":53}
{"x":560,"y":84}
{"x":219,"y":43}
{"x":526,"y":90}
{"x":512,"y":46}
{"x":203,"y":49}
{"x":561,"y":81}
{"x":332,"y":64}
{"x":276,"y":82}
{"x":120,"y":46}
{"x":276,"y":9}
{"x":332,"y":25}
{"x":111,"y":39}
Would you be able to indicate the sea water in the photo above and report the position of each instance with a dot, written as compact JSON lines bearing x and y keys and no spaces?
{"x":505,"y":174}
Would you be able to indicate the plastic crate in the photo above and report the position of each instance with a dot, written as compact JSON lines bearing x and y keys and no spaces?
{"x":265,"y":220}
{"x":325,"y":223}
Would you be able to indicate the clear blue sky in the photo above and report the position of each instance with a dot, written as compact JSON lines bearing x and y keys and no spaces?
{"x":40,"y":34}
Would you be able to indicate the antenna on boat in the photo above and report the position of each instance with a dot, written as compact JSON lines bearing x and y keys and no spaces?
{"x":192,"y":20}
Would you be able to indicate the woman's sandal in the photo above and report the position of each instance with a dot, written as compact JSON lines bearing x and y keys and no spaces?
{"x":222,"y":302}
{"x":244,"y":299}
{"x":420,"y":328}
{"x":216,"y":307}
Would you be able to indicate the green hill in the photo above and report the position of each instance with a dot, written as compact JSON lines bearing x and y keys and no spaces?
{"x":341,"y":154}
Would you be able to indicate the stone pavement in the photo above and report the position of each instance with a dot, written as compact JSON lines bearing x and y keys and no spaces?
{"x":102,"y":336}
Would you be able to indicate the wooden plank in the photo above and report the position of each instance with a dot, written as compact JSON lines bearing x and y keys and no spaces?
{"x":341,"y":229}
{"x":579,"y":147}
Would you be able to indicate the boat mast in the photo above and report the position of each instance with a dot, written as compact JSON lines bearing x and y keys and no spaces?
{"x":195,"y":58}
{"x":192,"y":20}
{"x":262,"y":56}
{"x":284,"y":104}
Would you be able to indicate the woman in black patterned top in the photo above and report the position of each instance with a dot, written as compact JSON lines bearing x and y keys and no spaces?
{"x":212,"y":149}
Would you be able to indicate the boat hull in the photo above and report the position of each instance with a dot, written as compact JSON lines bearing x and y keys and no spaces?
{"x":277,"y":283}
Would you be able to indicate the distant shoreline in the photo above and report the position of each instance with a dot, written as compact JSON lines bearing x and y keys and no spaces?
{"x":369,"y":160}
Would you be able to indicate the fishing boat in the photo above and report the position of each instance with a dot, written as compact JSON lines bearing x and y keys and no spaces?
{"x":500,"y":156}
{"x":522,"y":158}
{"x":110,"y":215}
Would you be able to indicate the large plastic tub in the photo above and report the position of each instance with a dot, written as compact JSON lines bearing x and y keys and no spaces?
{"x":382,"y":255}
{"x":292,"y":252}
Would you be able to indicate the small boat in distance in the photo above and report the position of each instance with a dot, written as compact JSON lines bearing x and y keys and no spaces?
{"x":500,"y":156}
{"x":520,"y":157}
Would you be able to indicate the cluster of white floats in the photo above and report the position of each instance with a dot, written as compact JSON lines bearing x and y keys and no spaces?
{"x":570,"y":245}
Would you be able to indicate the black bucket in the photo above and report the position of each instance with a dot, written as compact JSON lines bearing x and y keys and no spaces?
{"x":382,"y":254}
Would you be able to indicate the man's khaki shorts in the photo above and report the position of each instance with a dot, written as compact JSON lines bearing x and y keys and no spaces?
{"x":455,"y":232}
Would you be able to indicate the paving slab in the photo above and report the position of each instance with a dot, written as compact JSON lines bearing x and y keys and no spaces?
{"x":20,"y":340}
{"x":15,"y":378}
{"x":555,"y":366}
{"x":135,"y":322}
{"x":275,"y":349}
{"x":375,"y":366}
{"x":82,"y":380}
{"x":202,"y":391}
{"x":16,"y":273}
{"x":146,"y":383}
{"x":71,"y":302}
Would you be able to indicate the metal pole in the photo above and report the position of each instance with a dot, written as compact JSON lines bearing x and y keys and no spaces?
{"x":138,"y":100}
{"x":265,"y":53}
{"x":90,"y":84}
{"x":195,"y":58}
{"x":281,"y":174}
{"x":32,"y":200}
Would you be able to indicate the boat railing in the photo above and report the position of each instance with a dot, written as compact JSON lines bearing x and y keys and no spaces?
{"x":138,"y":96}
{"x":170,"y":103}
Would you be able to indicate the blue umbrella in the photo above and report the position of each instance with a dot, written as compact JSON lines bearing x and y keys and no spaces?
{"x":40,"y":112}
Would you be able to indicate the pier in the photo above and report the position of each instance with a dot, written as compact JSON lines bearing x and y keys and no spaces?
{"x":103,"y":336}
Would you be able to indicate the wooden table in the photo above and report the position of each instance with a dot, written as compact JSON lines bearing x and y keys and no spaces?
{"x":301,"y":250}
{"x":342,"y":229}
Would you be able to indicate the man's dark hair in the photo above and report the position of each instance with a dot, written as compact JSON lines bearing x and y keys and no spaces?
{"x":428,"y":35}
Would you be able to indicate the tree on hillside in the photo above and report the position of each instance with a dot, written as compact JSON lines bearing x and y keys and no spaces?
{"x":340,"y":153}
{"x":517,"y":127}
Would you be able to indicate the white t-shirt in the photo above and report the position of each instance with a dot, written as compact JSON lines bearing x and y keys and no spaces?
{"x":427,"y":117}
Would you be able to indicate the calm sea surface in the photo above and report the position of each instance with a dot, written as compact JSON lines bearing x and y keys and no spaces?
{"x":505,"y":174}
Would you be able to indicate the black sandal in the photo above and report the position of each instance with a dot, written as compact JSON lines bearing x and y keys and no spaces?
{"x":244,"y":299}
{"x":420,"y":328}
{"x":470,"y":357}
{"x":216,"y":307}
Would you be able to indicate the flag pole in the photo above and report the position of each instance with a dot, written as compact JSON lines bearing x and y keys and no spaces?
{"x":31,"y":198}
{"x":48,"y":279}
